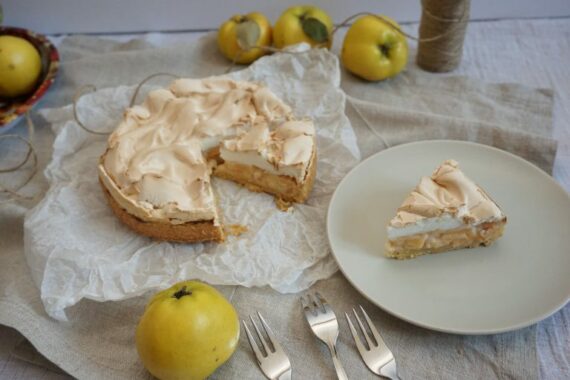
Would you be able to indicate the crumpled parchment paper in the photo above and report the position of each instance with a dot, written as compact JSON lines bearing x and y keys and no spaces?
{"x":76,"y":247}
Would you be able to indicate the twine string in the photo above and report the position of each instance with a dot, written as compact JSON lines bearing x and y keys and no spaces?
{"x":91,"y":88}
{"x":15,"y":192}
{"x":24,"y":160}
{"x":367,"y":123}
{"x":78,"y":94}
{"x":398,"y":30}
{"x":141,"y":83}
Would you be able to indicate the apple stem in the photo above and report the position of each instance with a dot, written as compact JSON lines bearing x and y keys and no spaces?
{"x":181,"y":293}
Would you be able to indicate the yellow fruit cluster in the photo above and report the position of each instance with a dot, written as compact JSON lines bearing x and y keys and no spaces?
{"x":373,"y":49}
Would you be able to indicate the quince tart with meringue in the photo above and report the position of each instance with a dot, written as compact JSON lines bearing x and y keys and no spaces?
{"x":446,"y":211}
{"x":156,"y":172}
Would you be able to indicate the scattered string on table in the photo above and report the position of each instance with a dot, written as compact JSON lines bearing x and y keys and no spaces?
{"x":368,"y":124}
{"x":91,"y":88}
{"x":141,"y":83}
{"x":78,"y":94}
{"x":14,"y":193}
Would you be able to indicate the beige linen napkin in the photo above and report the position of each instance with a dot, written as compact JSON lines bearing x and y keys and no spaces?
{"x":420,"y":106}
{"x":98,"y":342}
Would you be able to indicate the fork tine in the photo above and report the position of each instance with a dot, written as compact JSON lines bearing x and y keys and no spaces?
{"x":357,"y":339}
{"x":269,"y":333}
{"x":316,"y":300}
{"x":260,"y":336}
{"x":253,"y":344}
{"x":308,"y":306}
{"x":364,"y":332}
{"x":390,"y":370}
{"x":322,"y":301}
{"x":321,"y":298}
{"x":304,"y":303}
{"x":312,"y":301}
{"x":375,"y":332}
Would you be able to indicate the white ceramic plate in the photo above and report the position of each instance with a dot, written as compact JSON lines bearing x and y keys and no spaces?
{"x":521,"y":279}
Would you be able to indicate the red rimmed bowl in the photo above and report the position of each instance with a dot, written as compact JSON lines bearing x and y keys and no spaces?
{"x":11,"y":110}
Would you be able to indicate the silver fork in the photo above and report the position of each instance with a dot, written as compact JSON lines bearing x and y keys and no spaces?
{"x":324,"y":324}
{"x":272,"y":360}
{"x":377,"y":355}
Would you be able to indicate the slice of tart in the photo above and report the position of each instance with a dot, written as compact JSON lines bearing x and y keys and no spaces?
{"x":446,"y":211}
{"x":278,"y":158}
{"x":156,"y":170}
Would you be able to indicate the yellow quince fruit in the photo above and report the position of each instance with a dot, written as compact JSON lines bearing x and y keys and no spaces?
{"x":304,"y":23}
{"x":374,"y":50}
{"x":242,"y":37}
{"x":20,"y":66}
{"x":187,"y":332}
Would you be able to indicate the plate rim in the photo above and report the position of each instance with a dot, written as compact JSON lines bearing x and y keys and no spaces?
{"x":513,"y":327}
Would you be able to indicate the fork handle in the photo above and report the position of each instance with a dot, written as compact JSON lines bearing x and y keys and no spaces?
{"x":340,"y":373}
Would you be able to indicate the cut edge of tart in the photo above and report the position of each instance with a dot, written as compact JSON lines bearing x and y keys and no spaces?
{"x":446,"y":211}
{"x":280,"y":161}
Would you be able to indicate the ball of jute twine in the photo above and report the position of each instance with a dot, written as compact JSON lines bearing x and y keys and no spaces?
{"x":448,"y":19}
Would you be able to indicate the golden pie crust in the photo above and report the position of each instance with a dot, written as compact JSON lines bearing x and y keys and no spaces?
{"x":189,"y":232}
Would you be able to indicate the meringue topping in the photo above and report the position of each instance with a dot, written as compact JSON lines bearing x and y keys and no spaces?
{"x":447,"y":199}
{"x":281,"y":148}
{"x":154,"y":165}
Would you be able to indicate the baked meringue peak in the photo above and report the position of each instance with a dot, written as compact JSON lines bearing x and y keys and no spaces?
{"x":255,"y":139}
{"x":269,"y":105}
{"x":294,"y":128}
{"x":282,"y":147}
{"x":188,"y":87}
{"x":448,"y":196}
